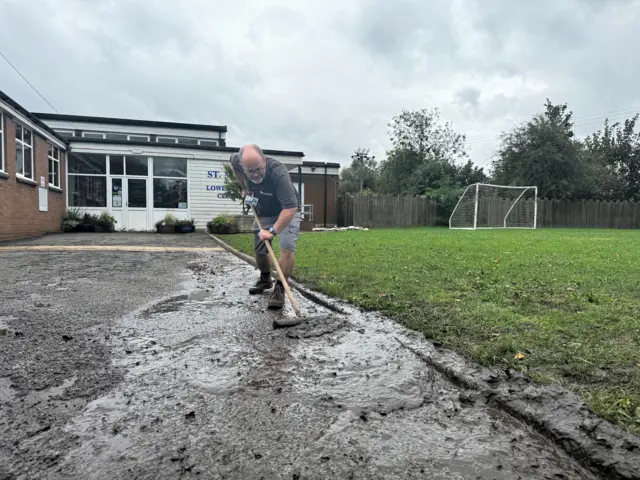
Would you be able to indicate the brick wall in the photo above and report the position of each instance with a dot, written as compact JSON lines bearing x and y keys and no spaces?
{"x":20,"y":216}
{"x":314,"y":195}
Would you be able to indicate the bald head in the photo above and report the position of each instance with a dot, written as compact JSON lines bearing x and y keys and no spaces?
{"x":253,"y":162}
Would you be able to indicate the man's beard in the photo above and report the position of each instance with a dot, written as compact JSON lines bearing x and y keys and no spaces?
{"x":257,"y":180}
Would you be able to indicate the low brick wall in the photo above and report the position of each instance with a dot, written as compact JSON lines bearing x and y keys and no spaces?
{"x":244,"y":223}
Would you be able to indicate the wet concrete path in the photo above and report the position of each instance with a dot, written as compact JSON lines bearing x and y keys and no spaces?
{"x":149,"y":365}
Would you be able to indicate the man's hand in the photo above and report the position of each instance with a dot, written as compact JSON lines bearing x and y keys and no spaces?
{"x":265,"y":235}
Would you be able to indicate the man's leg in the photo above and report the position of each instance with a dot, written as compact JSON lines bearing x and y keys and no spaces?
{"x":263,"y":262}
{"x":288,"y":240}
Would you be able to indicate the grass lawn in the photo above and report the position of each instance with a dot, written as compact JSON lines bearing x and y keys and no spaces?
{"x":561,"y":305}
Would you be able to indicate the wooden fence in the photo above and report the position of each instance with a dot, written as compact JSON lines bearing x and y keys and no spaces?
{"x":386,"y":211}
{"x":404,"y":211}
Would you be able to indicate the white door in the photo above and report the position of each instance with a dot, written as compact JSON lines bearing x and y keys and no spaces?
{"x":116,"y":201}
{"x":136,"y":204}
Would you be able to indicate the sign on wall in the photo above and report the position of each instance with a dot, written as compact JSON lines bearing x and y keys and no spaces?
{"x":213,"y":175}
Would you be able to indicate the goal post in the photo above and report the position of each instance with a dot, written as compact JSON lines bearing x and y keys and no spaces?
{"x":483,"y":205}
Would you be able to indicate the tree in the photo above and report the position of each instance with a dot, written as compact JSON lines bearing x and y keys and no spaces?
{"x":543,"y":152}
{"x":425,"y":154}
{"x":361,"y":174}
{"x":615,"y":154}
{"x":233,"y":189}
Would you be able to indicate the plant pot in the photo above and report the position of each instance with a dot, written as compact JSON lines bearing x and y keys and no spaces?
{"x":186,"y":229}
{"x":86,"y":228}
{"x":166,"y":229}
{"x":222,"y":229}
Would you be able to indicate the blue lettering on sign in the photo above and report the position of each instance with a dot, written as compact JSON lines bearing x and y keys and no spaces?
{"x":216,"y":187}
{"x":216,"y":174}
{"x":222,"y":195}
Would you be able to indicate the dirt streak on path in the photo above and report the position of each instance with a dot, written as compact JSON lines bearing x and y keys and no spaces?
{"x":155,"y":365}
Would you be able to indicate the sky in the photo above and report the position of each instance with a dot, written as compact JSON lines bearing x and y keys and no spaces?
{"x":324,"y":76}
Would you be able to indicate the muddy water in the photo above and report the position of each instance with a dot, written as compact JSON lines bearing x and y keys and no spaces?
{"x":210,"y":390}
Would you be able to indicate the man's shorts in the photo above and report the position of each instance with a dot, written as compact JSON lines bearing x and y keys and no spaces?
{"x":287,"y":237}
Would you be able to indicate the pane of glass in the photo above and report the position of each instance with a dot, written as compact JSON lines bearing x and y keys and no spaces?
{"x":187,"y":141}
{"x":169,"y":193}
{"x":116,"y":192}
{"x":26,"y":136}
{"x":137,"y":165}
{"x":116,"y":136}
{"x":209,"y":143}
{"x":166,"y":140}
{"x":64,"y":133}
{"x":137,"y":193}
{"x":138,"y":138}
{"x":93,"y":135}
{"x":19,"y":162}
{"x":88,"y":163}
{"x":87,"y":191}
{"x":56,"y":153}
{"x":169,"y":167}
{"x":51,"y":176}
{"x":56,"y":174}
{"x":116,"y":165}
{"x":28,"y":162}
{"x":18,"y":132}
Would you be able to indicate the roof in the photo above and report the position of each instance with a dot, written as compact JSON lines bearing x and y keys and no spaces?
{"x":27,"y":114}
{"x":103,"y":141}
{"x":320,"y":164}
{"x":130,"y":122}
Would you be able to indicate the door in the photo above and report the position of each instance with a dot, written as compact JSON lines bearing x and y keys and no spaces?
{"x":117,"y":202}
{"x":136,"y":204}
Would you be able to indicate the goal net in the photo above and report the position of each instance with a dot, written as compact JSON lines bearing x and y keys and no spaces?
{"x":495,"y":206}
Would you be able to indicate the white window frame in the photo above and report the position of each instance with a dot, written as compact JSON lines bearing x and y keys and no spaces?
{"x":129,"y":135}
{"x":71,"y":133}
{"x":2,"y":166}
{"x":53,"y":160}
{"x":30,"y":147}
{"x":147,"y":137}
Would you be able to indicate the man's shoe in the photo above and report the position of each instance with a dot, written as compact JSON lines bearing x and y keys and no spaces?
{"x":276,"y":300}
{"x":261,"y":285}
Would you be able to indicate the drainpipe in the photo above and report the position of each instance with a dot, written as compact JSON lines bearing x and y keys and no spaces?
{"x":325,"y":195}
{"x":300,"y":185}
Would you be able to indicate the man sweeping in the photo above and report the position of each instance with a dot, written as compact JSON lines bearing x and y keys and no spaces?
{"x":278,"y":207}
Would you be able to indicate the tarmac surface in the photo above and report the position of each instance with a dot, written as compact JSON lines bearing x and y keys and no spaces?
{"x":136,"y":363}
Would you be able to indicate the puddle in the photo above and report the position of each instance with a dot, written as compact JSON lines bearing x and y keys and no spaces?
{"x":38,"y":396}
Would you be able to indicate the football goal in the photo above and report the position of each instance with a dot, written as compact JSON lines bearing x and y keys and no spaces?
{"x":483,"y":205}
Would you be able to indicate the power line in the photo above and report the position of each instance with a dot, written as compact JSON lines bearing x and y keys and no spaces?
{"x":27,"y":82}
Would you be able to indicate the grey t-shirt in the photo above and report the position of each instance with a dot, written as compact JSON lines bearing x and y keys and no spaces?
{"x":275,"y":193}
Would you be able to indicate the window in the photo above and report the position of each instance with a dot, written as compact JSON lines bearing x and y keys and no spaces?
{"x":170,"y":167}
{"x":187,"y":141}
{"x":2,"y":167}
{"x":93,"y":135}
{"x":65,"y":133}
{"x":208,"y":143}
{"x":139,"y":138}
{"x":24,"y":152}
{"x":116,"y":165}
{"x":54,"y":166}
{"x":87,"y":180}
{"x":166,"y":140}
{"x":169,"y":182}
{"x":137,"y":165}
{"x":116,"y":136}
{"x":169,"y":193}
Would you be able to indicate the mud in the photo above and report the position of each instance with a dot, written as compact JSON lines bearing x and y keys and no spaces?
{"x":170,"y":370}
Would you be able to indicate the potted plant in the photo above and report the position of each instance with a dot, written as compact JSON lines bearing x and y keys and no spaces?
{"x":88,"y":223}
{"x":167,"y":224}
{"x":186,"y":226}
{"x":71,"y":220}
{"x":222,"y":224}
{"x":105,"y":223}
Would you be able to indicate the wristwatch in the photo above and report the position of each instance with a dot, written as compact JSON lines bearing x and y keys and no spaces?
{"x":272,"y":231}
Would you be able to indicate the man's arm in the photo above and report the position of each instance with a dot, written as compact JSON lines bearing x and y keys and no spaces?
{"x":286,"y":194}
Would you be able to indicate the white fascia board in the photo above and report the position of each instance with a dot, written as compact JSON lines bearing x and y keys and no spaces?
{"x":161,"y":150}
{"x":32,"y":126}
{"x":132,"y":129}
